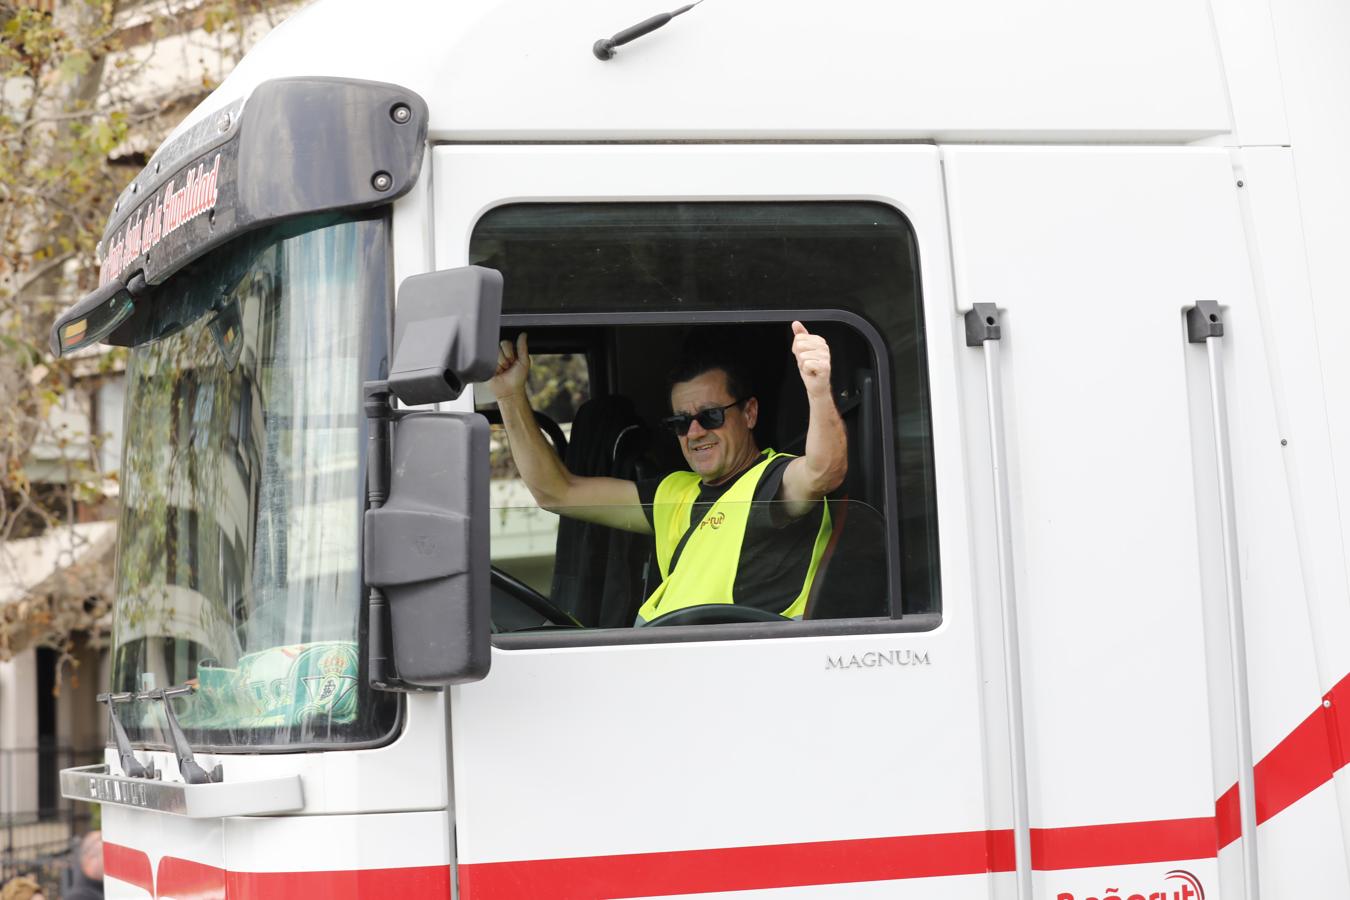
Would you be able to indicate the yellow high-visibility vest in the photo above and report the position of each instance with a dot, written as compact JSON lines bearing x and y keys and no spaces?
{"x":706,"y":572}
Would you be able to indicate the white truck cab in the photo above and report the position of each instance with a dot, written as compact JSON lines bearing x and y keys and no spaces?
{"x":1081,"y":628}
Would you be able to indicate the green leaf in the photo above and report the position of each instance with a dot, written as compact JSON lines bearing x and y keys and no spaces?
{"x":75,"y":65}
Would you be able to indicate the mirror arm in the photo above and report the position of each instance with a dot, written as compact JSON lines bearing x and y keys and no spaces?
{"x":379,"y":408}
{"x":380,"y":412}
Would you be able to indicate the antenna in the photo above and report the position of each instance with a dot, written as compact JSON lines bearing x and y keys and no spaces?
{"x":604,"y":48}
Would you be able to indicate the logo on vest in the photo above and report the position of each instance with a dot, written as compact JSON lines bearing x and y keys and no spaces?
{"x":715,"y":520}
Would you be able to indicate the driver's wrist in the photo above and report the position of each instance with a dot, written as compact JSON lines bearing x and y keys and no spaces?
{"x":513,"y":402}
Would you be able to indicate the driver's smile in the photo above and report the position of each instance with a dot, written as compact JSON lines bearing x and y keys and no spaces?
{"x":703,"y":449}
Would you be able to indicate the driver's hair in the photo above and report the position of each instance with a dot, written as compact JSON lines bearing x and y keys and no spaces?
{"x":705,"y":349}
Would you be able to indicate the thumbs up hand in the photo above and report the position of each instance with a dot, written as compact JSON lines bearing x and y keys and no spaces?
{"x":513,"y":368}
{"x":813,"y":360}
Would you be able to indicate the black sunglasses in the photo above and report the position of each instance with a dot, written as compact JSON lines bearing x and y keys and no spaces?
{"x":710,"y":419}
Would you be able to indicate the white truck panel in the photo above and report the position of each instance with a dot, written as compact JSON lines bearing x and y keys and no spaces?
{"x":1094,"y":253}
{"x":1301,"y":850}
{"x":963,"y":70}
{"x":739,"y":744}
{"x":1302,"y":402}
{"x":158,"y":836}
{"x":1283,"y":687}
{"x":1316,"y":73}
{"x":350,"y":781}
{"x":326,"y":843}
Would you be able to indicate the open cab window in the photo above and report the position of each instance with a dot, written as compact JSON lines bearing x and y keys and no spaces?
{"x":629,"y":288}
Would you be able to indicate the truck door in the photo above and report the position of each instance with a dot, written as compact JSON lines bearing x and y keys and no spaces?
{"x":844,"y":749}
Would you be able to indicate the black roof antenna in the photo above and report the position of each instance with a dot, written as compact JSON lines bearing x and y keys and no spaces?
{"x":604,"y":48}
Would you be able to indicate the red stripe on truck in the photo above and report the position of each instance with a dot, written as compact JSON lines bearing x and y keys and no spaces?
{"x":358,"y":884}
{"x":130,"y":865}
{"x":1338,"y":722}
{"x":692,"y":871}
{"x":836,"y":862}
{"x":184,"y":879}
{"x":1122,"y":844}
{"x":1295,"y":767}
{"x":737,"y":868}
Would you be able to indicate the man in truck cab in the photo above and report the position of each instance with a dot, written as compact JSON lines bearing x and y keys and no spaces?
{"x":744,"y":525}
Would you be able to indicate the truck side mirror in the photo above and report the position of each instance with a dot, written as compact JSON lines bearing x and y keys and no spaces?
{"x":445,"y":333}
{"x":426,"y":545}
{"x":427,"y":548}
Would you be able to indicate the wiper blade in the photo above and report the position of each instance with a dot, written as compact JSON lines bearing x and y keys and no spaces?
{"x":131,"y":766}
{"x":187,"y":760}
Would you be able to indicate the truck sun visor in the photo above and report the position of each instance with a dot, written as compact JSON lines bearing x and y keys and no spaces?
{"x":285,"y":151}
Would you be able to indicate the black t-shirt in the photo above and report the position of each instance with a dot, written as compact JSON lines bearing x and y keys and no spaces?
{"x":776,"y":553}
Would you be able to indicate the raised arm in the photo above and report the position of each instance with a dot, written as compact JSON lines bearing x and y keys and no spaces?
{"x":606,"y":501}
{"x":822,"y":468}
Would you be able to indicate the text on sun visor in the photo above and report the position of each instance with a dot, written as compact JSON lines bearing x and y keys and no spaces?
{"x":176,"y":205}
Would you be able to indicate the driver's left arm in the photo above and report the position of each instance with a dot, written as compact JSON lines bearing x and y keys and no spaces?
{"x":821,"y":469}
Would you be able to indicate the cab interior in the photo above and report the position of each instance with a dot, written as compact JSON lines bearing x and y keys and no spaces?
{"x":597,"y":576}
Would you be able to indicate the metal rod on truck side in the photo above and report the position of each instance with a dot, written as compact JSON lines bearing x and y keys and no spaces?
{"x":984,"y":329}
{"x":379,"y":411}
{"x":1204,"y":325}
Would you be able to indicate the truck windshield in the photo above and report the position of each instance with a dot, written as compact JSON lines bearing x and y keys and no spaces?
{"x":242,"y":493}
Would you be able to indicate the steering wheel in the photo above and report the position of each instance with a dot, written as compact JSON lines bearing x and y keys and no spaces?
{"x":545,"y":423}
{"x":714,"y":614}
{"x":526,"y":596}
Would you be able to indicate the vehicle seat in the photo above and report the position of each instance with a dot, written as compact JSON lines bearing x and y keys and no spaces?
{"x":852,"y":580}
{"x":598,"y":573}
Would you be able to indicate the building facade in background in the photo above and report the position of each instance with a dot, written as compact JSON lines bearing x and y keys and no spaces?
{"x":58,"y":579}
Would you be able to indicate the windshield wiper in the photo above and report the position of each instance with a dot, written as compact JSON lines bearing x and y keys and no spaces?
{"x":187,"y":761}
{"x":131,"y":766}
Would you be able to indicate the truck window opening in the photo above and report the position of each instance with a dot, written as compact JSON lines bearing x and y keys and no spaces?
{"x":608,"y":284}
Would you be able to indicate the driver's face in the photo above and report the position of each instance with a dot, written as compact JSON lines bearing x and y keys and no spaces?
{"x":722,"y":452}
